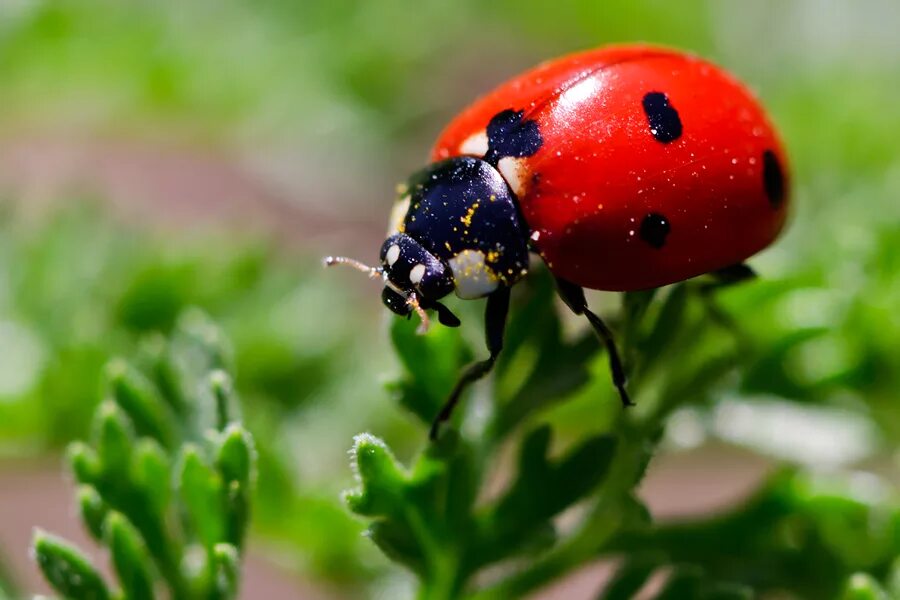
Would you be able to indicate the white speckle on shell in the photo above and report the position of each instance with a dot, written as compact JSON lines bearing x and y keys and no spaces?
{"x":476,"y":144}
{"x":392,"y":254}
{"x":536,"y":236}
{"x":416,"y":274}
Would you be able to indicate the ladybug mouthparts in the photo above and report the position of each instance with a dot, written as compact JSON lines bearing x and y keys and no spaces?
{"x":414,"y":280}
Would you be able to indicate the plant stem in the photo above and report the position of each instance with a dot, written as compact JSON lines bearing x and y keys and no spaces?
{"x":443,"y":564}
{"x":607,"y":516}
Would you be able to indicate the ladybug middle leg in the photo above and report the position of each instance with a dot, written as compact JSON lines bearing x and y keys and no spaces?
{"x":729,"y":276}
{"x":725,"y":278}
{"x":573,"y":296}
{"x":494,"y":327}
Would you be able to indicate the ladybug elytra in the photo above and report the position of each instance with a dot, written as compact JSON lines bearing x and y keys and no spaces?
{"x":624,"y":168}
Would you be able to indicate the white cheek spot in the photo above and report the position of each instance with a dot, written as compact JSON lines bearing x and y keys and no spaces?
{"x":398,"y":215}
{"x":476,"y":145}
{"x":513,"y":171}
{"x":416,"y":274}
{"x":474,"y":279}
{"x":392,"y":255}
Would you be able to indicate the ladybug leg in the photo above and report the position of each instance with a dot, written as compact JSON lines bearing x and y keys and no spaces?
{"x":494,"y":327}
{"x":573,"y":296}
{"x":729,"y":276}
{"x":724,"y":278}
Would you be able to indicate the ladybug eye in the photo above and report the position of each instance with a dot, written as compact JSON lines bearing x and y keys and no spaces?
{"x":395,"y":302}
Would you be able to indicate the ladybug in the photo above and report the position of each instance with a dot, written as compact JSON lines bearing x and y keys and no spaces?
{"x":624,"y":168}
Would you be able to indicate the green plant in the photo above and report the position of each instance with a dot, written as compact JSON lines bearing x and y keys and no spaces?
{"x":165,"y":482}
{"x":78,"y":288}
{"x":7,"y":584}
{"x":566,"y":504}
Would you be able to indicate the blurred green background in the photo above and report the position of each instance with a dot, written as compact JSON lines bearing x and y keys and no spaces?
{"x":156,"y":156}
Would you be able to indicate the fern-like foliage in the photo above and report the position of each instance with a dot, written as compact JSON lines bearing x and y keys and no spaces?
{"x":165,"y":481}
{"x":569,"y":502}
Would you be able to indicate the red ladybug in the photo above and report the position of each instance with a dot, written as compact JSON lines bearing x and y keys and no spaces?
{"x":624,"y":168}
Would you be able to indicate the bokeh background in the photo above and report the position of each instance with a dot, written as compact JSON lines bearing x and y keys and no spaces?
{"x":160,"y":155}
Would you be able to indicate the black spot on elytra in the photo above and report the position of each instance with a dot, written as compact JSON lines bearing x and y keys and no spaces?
{"x":654,"y":230}
{"x":511,"y":135}
{"x":665,"y":125}
{"x":773,"y":179}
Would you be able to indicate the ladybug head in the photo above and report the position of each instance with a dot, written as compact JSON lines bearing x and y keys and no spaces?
{"x":413,"y":269}
{"x":414,"y":279}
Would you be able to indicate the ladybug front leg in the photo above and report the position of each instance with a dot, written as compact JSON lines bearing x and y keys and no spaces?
{"x":494,"y":327}
{"x":729,"y":276}
{"x":573,"y":296}
{"x":725,"y":278}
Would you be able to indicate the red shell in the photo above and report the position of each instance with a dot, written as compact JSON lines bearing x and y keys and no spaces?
{"x":601,"y":171}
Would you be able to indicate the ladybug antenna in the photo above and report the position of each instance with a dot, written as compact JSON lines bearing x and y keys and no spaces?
{"x":413,"y":301}
{"x":373,"y":272}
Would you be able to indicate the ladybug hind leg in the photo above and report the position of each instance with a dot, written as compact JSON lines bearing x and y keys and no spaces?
{"x":729,"y":276}
{"x":494,"y":328}
{"x":721,"y":279}
{"x":573,"y":296}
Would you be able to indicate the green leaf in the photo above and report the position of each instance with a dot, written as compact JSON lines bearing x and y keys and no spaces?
{"x":666,"y":327}
{"x":728,"y":591}
{"x":634,"y":307}
{"x":130,"y":559}
{"x":539,"y":366}
{"x":443,"y":482}
{"x":236,"y":456}
{"x":201,"y":491}
{"x":893,"y":579}
{"x":235,"y":460}
{"x":115,"y":440}
{"x":223,"y":393}
{"x":84,"y":462}
{"x":629,"y":578}
{"x":67,"y":569}
{"x":141,"y":402}
{"x":399,"y":544}
{"x":545,"y":487}
{"x":151,"y":473}
{"x":200,"y":344}
{"x":92,"y":509}
{"x":431,"y":364}
{"x":381,"y":478}
{"x":126,"y":499}
{"x":684,"y":583}
{"x":542,"y":489}
{"x":862,"y":586}
{"x":165,"y":374}
{"x":227,"y":565}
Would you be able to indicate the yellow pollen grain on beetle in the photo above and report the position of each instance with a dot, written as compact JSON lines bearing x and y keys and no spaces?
{"x":467,"y":219}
